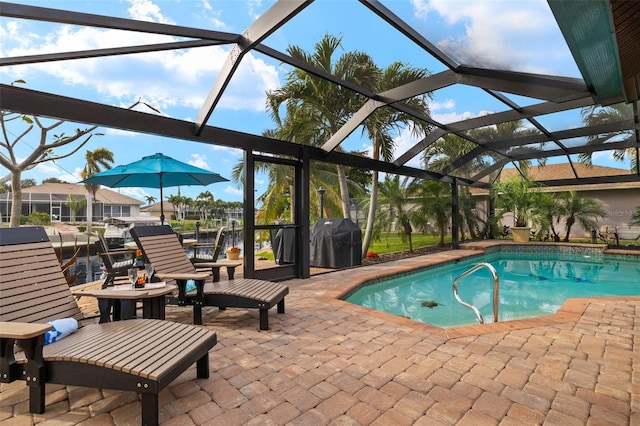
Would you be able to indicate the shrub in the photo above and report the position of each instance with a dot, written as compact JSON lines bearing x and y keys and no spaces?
{"x":39,"y":218}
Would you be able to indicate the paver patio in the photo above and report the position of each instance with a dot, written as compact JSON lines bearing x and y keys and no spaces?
{"x":328,"y":362}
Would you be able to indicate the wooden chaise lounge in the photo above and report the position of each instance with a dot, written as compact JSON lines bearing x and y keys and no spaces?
{"x":142,"y":355}
{"x":161,"y":246}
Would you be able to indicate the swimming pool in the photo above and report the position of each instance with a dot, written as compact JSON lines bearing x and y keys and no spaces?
{"x":532,"y":284}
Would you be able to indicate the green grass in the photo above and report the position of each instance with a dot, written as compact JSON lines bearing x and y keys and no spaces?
{"x":392,"y":242}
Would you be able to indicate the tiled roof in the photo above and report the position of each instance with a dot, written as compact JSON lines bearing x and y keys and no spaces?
{"x":106,"y":196}
{"x":552,"y":172}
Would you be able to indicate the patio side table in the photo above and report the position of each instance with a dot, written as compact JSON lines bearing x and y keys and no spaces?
{"x":153,"y":301}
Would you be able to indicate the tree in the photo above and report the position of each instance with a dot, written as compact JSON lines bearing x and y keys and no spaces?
{"x":27,"y":183}
{"x":519,"y":196}
{"x":45,"y":150}
{"x":435,"y":203}
{"x":399,"y":195}
{"x":583,"y":210}
{"x":315,"y":108}
{"x":95,"y":160}
{"x":75,"y":205}
{"x":21,"y":124}
{"x":150,"y":199}
{"x":53,"y":180}
{"x":595,"y":115}
{"x":380,"y":124}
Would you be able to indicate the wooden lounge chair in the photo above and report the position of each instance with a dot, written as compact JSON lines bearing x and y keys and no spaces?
{"x":116,"y":261}
{"x":142,"y":355}
{"x":203,"y":252}
{"x":161,"y":247}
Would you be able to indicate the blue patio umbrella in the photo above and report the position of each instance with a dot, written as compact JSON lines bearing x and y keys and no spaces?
{"x":154,"y":171}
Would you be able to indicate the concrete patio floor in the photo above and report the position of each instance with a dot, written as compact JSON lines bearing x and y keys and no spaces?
{"x":327,"y":362}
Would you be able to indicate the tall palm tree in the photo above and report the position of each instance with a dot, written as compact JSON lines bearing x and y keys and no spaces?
{"x":439,"y":156}
{"x":381,"y":123}
{"x":150,"y":199}
{"x":315,"y":108}
{"x":583,"y":210}
{"x":94,"y":161}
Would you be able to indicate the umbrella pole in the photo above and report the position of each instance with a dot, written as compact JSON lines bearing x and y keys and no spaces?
{"x":161,"y":203}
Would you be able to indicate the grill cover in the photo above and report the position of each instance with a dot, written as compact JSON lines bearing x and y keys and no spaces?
{"x":335,"y":243}
{"x":283,"y":245}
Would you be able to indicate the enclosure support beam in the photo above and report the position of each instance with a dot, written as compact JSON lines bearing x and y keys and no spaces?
{"x":249,"y":215}
{"x":455,"y":219}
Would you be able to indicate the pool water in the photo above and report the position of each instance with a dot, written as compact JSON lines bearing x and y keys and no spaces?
{"x":531,"y":285}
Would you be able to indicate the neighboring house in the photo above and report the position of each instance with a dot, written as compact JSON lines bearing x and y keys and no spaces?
{"x":619,"y":199}
{"x":52,"y":198}
{"x":154,"y":210}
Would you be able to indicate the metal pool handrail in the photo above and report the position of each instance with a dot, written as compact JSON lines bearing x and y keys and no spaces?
{"x":496,"y":290}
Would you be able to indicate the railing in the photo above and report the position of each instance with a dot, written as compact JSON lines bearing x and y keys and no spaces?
{"x":496,"y":289}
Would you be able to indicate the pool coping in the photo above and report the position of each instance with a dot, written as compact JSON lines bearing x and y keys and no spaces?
{"x":570,"y":310}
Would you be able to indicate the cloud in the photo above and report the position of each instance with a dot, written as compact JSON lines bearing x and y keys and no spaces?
{"x":51,"y":169}
{"x":232,"y":190}
{"x":145,"y":10}
{"x":513,"y":35}
{"x":166,"y":79}
{"x":199,"y":160}
{"x":445,"y":104}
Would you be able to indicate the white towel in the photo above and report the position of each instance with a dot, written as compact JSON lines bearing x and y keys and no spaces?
{"x":61,"y":328}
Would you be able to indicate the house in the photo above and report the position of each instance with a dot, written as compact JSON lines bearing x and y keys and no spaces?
{"x":52,"y":198}
{"x":619,"y":199}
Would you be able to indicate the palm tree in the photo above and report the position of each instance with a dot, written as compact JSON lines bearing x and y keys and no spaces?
{"x":595,"y":115}
{"x":315,"y":108}
{"x":150,"y":199}
{"x":435,"y":202}
{"x":380,"y":124}
{"x":75,"y":205}
{"x":95,"y":160}
{"x":439,"y":155}
{"x":399,"y":197}
{"x":583,"y":210}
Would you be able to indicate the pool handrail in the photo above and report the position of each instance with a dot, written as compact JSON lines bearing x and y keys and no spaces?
{"x":496,"y":290}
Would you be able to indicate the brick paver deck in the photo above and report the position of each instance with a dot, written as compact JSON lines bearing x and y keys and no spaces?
{"x":327,"y":362}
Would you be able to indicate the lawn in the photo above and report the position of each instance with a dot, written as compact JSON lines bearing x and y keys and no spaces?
{"x":392,"y":242}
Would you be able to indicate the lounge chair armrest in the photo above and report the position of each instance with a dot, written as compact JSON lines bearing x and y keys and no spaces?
{"x":30,"y":337}
{"x":179,"y":276}
{"x":22,"y":330}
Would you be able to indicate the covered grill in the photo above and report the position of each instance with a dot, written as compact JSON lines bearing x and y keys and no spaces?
{"x":335,"y":243}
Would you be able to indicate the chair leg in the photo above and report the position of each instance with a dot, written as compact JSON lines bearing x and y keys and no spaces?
{"x":202,"y":367}
{"x":36,"y":398}
{"x":149,"y":409}
{"x":264,"y":319}
{"x":281,"y":306}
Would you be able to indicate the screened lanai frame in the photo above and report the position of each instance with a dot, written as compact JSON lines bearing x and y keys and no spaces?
{"x":601,"y":35}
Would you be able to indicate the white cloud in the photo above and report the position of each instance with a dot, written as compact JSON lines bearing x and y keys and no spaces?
{"x":199,"y":160}
{"x":232,"y":190}
{"x":445,"y":104}
{"x":515,"y":35}
{"x":164,"y":79}
{"x":145,"y":10}
{"x":51,"y":169}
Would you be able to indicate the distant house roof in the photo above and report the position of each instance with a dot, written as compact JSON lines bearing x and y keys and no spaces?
{"x":561,"y":171}
{"x":552,"y":172}
{"x":105,"y":196}
{"x":155,"y":207}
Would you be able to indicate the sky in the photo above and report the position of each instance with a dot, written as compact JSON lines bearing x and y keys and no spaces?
{"x":519,"y":35}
